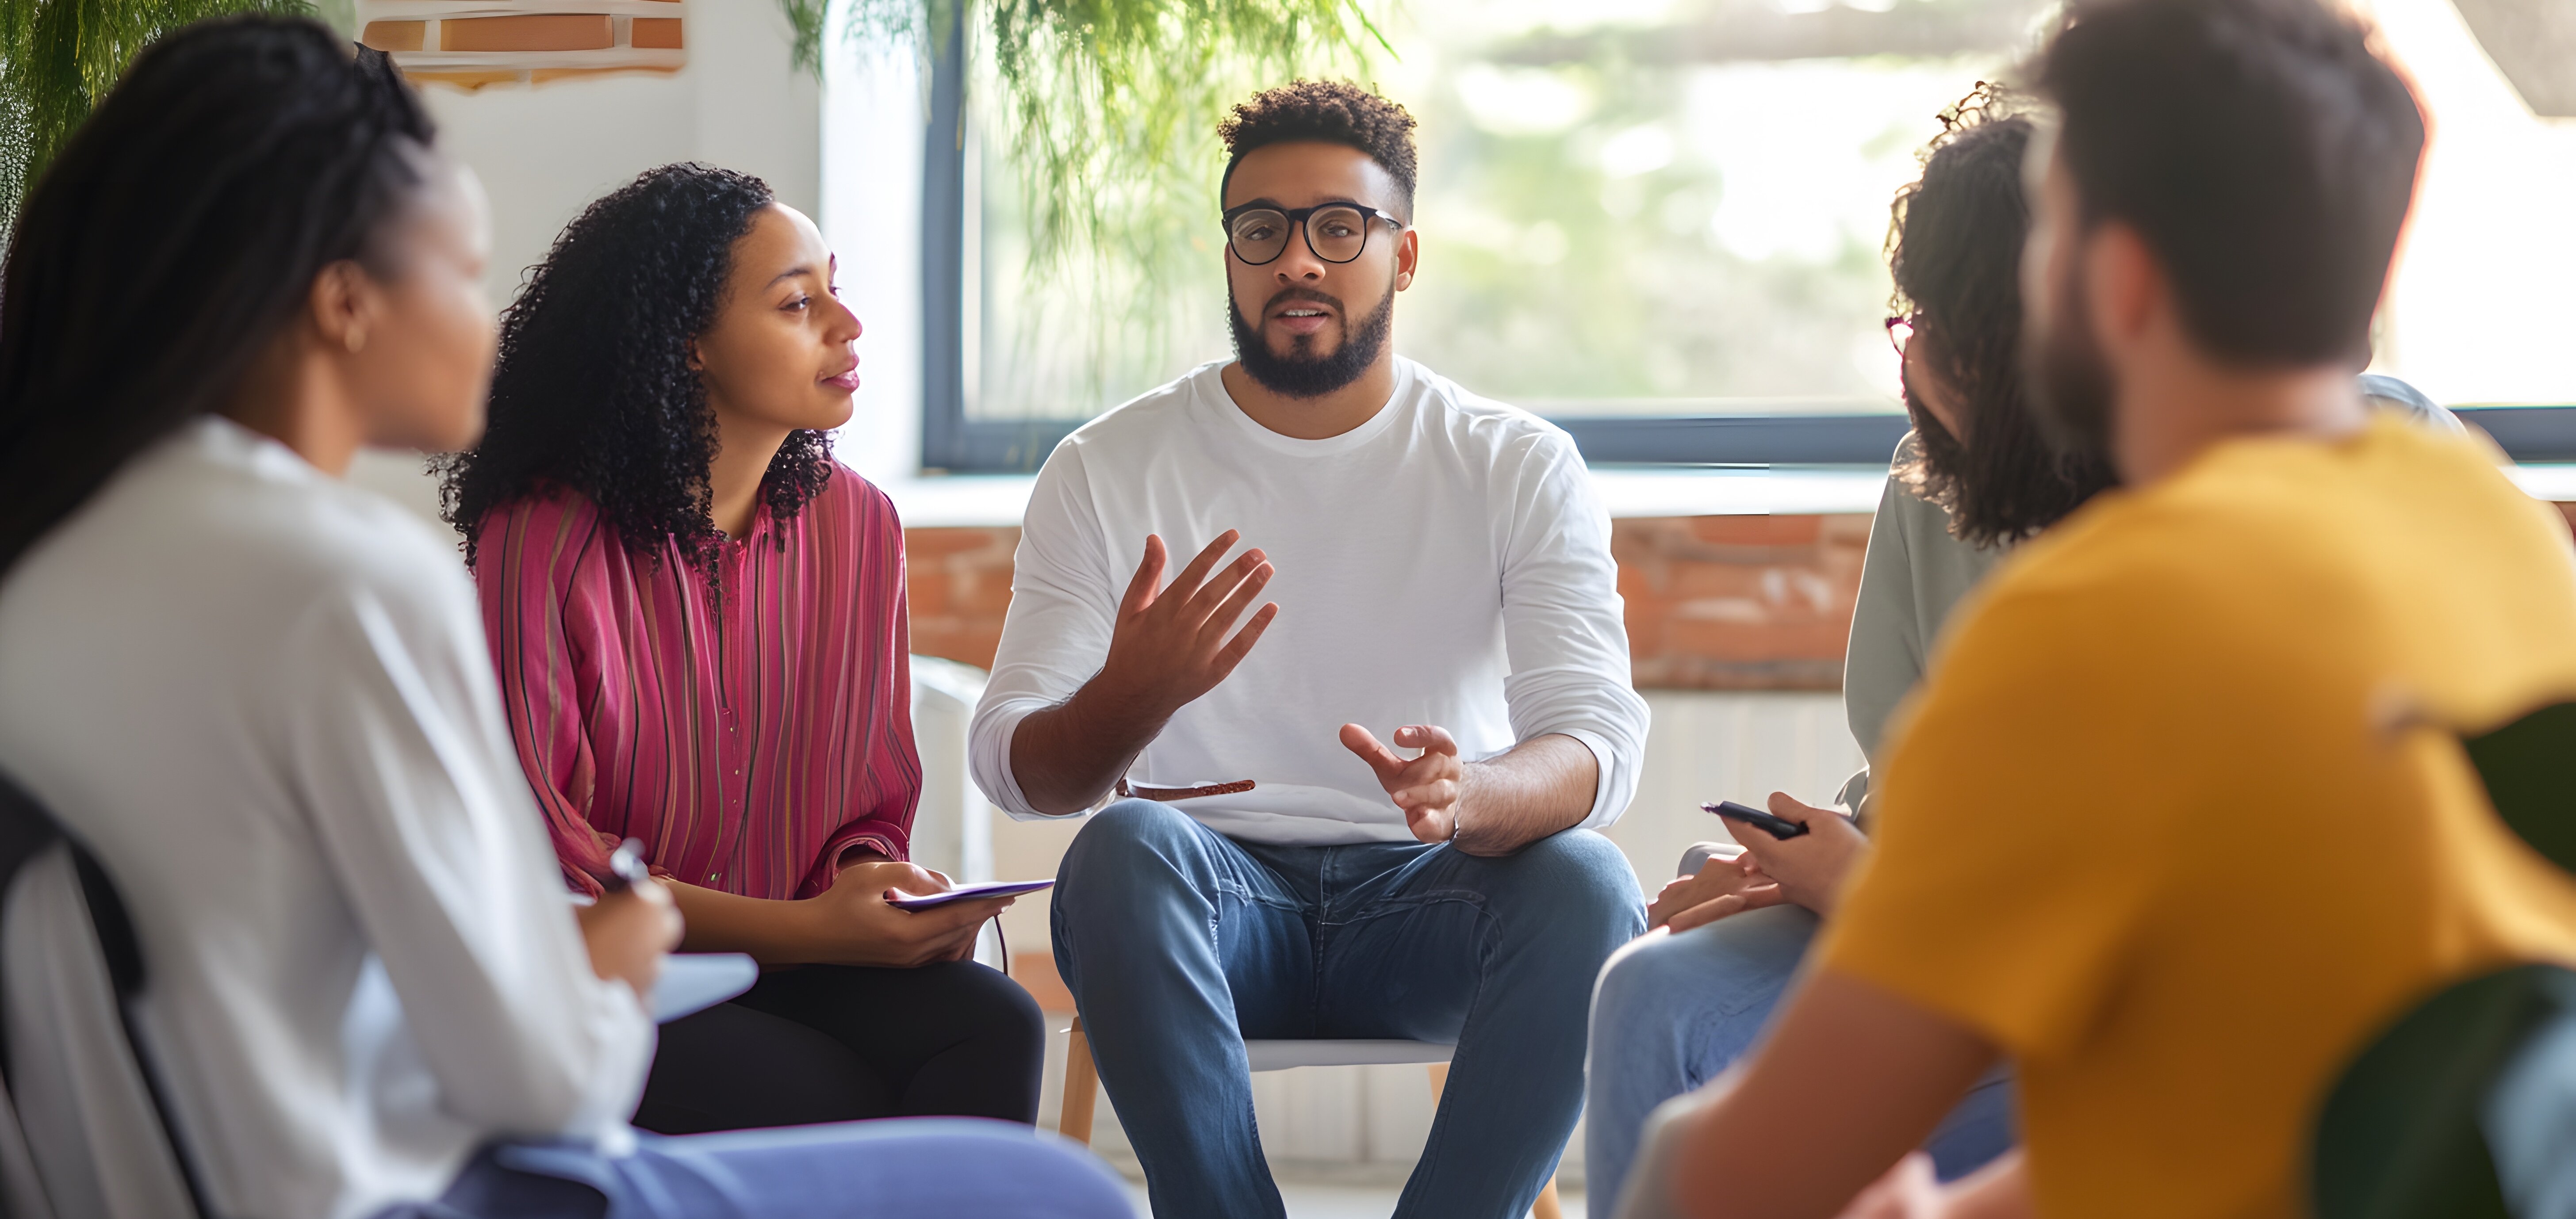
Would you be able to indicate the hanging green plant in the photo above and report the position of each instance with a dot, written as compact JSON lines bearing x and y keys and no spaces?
{"x":1108,"y":108}
{"x":58,"y":57}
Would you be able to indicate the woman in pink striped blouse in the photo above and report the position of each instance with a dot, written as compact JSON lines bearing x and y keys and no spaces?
{"x":698,"y":618}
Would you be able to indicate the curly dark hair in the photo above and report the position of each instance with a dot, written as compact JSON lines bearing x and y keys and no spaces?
{"x":1954,"y":247}
{"x":1330,"y":111}
{"x":594,"y":392}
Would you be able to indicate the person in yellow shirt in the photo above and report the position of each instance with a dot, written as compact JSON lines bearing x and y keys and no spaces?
{"x":2179,"y":821}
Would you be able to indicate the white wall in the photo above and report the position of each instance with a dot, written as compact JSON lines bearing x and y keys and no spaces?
{"x":545,"y":151}
{"x":2475,"y":306}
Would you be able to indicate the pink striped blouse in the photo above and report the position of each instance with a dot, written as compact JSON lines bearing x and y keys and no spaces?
{"x":747,"y":747}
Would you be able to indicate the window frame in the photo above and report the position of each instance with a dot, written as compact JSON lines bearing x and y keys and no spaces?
{"x":950,"y":442}
{"x":954,"y":444}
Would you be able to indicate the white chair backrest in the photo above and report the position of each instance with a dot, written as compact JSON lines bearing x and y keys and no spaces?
{"x":953,"y":830}
{"x":94,"y":1145}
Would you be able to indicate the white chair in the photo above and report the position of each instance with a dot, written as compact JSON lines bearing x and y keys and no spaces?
{"x":1082,"y":1080}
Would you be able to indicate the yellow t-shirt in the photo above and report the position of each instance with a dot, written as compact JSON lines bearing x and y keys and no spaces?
{"x":2148,"y":828}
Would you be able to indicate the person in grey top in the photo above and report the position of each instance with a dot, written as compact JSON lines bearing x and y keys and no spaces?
{"x":1679,"y":1005}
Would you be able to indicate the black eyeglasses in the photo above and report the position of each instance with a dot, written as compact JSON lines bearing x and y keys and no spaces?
{"x":1336,"y":232}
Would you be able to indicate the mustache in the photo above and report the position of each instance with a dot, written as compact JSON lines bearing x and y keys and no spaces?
{"x":1307,"y":295}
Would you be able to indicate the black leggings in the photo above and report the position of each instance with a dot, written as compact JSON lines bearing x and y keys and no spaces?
{"x":837,"y":1043}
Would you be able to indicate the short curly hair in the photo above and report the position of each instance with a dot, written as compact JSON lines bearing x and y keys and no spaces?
{"x":594,"y":392}
{"x":1328,"y":111}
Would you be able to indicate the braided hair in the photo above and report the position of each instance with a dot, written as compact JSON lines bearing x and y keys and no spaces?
{"x":236,"y":160}
{"x":595,"y":393}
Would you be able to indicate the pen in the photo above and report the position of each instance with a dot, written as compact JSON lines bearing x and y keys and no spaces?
{"x":625,"y":868}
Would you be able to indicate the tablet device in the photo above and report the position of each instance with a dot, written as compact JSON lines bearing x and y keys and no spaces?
{"x":990,"y":888}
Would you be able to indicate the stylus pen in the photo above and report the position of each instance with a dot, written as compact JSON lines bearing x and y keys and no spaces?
{"x":1774,"y":825}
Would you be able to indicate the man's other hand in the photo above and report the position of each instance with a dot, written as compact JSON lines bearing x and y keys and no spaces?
{"x":1811,"y":867}
{"x":1427,"y":787}
{"x":1490,"y":808}
{"x":1169,"y":645}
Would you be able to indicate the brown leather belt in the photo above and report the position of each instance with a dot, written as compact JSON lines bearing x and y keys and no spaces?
{"x":1168,"y":794}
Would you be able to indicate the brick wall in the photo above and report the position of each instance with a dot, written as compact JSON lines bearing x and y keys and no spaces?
{"x":436,"y":41}
{"x":959,"y":581}
{"x":1739,"y":602}
{"x":1714,"y":603}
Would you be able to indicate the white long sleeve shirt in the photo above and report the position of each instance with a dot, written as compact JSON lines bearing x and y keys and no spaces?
{"x":1444,"y":563}
{"x":262,"y":697}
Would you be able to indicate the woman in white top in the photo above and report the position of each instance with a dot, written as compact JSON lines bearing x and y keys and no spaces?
{"x":262,"y":698}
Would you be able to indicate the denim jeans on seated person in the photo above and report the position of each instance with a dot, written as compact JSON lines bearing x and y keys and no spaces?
{"x":1179,"y":943}
{"x":1673,"y":1012}
{"x":947,"y":1168}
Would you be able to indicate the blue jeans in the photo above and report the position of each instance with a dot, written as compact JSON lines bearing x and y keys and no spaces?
{"x":952,"y":1168}
{"x":1179,"y":943}
{"x":1673,"y":1012}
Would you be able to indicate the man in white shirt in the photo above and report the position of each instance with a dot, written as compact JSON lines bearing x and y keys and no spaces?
{"x":1438,"y":566}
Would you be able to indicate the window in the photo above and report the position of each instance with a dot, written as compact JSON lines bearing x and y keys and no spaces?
{"x":1663,"y":229}
{"x":2475,"y":309}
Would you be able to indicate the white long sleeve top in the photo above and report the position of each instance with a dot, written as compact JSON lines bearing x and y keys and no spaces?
{"x":1445,"y":563}
{"x":262,"y":697}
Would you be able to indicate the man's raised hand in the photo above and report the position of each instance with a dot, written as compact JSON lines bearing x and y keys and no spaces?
{"x":1169,"y":645}
{"x":1427,"y":787}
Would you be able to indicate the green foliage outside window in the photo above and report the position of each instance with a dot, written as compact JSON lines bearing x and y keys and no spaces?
{"x":1594,"y":261}
{"x":1108,"y":108}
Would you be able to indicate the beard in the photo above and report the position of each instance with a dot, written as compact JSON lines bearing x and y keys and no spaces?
{"x":2069,"y":381}
{"x":1302,"y":373}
